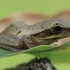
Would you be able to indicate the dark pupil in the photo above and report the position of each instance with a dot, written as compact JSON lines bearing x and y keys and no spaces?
{"x":58,"y":28}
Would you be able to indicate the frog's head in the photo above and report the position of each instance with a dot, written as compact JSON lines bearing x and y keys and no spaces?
{"x":52,"y":31}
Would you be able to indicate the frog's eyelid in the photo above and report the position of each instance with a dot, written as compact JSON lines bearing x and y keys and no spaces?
{"x":55,"y":24}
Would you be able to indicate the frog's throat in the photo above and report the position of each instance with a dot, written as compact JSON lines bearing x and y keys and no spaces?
{"x":55,"y":37}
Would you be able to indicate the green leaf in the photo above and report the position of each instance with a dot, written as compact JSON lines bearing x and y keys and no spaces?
{"x":4,"y":52}
{"x":40,"y":48}
{"x":58,"y":55}
{"x":47,"y":48}
{"x":13,"y":61}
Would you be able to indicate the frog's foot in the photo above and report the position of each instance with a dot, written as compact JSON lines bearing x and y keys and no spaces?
{"x":11,"y":42}
{"x":10,"y":48}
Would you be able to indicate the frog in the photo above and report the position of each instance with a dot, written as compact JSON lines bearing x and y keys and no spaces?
{"x":19,"y":36}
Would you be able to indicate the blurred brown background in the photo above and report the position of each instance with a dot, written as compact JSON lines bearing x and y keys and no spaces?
{"x":32,"y":11}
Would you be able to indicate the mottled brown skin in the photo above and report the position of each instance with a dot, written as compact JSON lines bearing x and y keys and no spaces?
{"x":42,"y":33}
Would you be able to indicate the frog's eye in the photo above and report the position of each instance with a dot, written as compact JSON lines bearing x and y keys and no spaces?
{"x":57,"y":28}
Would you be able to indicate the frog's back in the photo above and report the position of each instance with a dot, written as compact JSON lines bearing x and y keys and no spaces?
{"x":41,"y":26}
{"x":14,"y":28}
{"x":20,"y":27}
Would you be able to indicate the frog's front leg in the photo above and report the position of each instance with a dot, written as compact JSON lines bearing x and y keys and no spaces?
{"x":11,"y":42}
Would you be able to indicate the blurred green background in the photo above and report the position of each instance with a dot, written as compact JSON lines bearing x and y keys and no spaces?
{"x":48,"y":7}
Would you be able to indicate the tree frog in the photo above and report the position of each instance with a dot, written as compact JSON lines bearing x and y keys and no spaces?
{"x":19,"y":36}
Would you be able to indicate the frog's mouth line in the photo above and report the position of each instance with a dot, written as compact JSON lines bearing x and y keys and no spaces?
{"x":55,"y":37}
